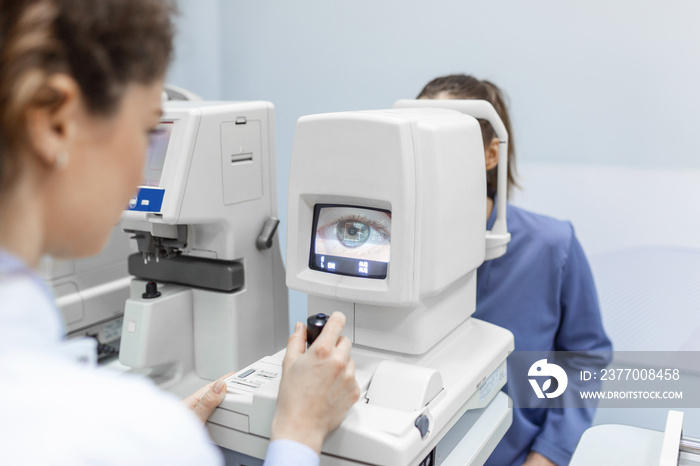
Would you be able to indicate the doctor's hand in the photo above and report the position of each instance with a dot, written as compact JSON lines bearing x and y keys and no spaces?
{"x":318,"y":386}
{"x":204,"y":401}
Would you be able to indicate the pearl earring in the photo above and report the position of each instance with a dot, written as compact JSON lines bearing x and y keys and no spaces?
{"x":61,"y":159}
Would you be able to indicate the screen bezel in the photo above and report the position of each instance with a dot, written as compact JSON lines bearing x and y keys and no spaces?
{"x":312,"y":245}
{"x":170,"y":125}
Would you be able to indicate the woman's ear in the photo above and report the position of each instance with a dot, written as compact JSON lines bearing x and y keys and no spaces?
{"x":50,"y":122}
{"x":491,"y":153}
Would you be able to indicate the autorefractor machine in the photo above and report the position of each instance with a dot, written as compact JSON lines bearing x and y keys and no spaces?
{"x":208,"y":295}
{"x":387,"y":214}
{"x":91,"y":291}
{"x":614,"y":444}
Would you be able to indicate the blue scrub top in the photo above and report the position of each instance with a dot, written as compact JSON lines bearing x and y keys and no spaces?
{"x":542,"y":290}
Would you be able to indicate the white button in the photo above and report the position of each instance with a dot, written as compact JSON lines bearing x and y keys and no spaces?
{"x":131,"y":326}
{"x":145,"y":202}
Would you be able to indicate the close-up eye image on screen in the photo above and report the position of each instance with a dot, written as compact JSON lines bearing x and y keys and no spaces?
{"x":350,"y":240}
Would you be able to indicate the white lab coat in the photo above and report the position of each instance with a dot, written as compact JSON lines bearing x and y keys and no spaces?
{"x":56,"y":411}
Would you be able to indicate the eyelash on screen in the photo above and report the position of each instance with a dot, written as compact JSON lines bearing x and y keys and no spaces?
{"x":378,"y":226}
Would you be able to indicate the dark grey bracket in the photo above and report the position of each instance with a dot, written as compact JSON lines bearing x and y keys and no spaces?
{"x":209,"y":274}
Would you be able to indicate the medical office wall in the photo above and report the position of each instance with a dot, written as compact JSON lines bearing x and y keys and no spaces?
{"x":605,"y":98}
{"x":591,"y":83}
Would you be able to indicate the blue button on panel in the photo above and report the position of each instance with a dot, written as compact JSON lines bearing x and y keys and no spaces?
{"x":147,"y":200}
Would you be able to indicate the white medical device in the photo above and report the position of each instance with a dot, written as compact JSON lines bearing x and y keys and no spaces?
{"x":614,"y":444}
{"x":90,"y":293}
{"x":387,"y":215}
{"x":204,"y":222}
{"x":498,"y":238}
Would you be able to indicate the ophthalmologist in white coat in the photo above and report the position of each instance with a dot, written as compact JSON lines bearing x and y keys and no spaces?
{"x":80,"y":90}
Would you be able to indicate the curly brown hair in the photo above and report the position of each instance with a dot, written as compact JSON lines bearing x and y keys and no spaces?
{"x":104,"y":45}
{"x":462,"y":86}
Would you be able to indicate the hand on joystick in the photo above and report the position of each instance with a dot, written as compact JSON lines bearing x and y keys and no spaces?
{"x":314,"y":326}
{"x":318,"y":385}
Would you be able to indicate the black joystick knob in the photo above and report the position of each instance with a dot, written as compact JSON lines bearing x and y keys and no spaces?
{"x":151,"y":291}
{"x":314,"y":325}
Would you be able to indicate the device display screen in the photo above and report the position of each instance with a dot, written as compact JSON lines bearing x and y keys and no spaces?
{"x":350,"y":240}
{"x":155,"y":157}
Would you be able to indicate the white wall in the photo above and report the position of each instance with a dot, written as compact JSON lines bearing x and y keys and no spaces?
{"x":199,"y":51}
{"x":594,"y":82}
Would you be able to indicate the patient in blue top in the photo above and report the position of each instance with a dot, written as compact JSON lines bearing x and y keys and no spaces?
{"x":542,"y":290}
